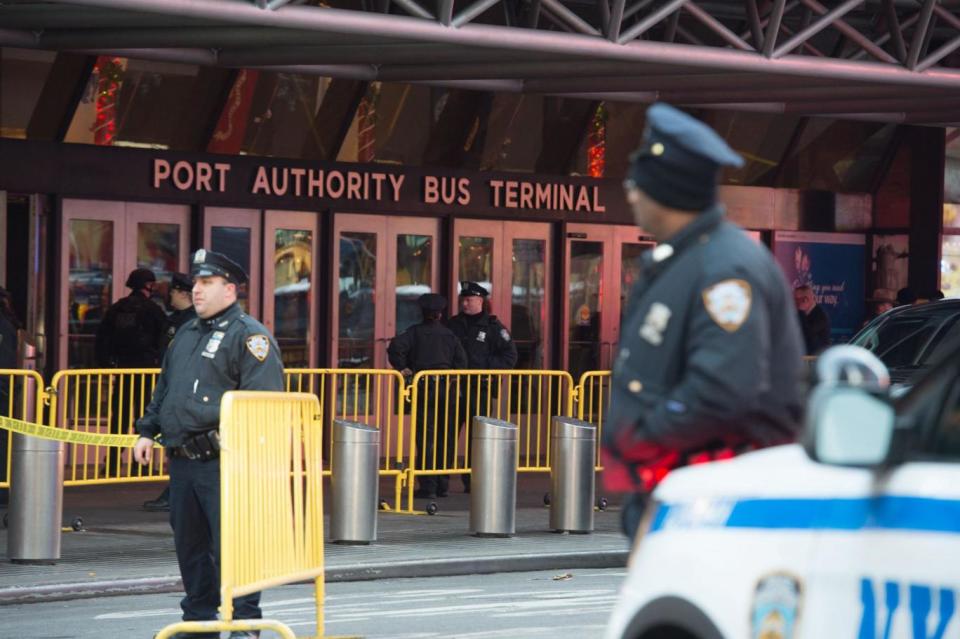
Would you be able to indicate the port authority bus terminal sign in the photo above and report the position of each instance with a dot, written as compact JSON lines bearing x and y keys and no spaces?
{"x":113,"y":173}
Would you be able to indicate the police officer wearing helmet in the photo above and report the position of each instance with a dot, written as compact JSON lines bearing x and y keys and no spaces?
{"x":181,"y":301}
{"x":132,"y":334}
{"x":431,"y":346}
{"x":710,"y":354}
{"x":488,"y":346}
{"x":222,"y":349}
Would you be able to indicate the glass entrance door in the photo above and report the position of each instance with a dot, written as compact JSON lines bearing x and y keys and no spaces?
{"x":602,"y":266}
{"x":101,"y":242}
{"x":236,"y":234}
{"x":289,"y":291}
{"x":512,"y":261}
{"x":397,"y":253}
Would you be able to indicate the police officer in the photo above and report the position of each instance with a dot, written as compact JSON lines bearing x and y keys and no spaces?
{"x":488,"y":346}
{"x":181,"y":301}
{"x":132,"y":335}
{"x":711,"y":354}
{"x":222,"y":349}
{"x":431,"y":346}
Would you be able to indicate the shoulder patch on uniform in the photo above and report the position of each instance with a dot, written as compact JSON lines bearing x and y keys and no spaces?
{"x":504,"y":334}
{"x":259,"y":346}
{"x":728,"y":303}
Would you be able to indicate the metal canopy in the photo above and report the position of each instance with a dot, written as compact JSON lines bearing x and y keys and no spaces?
{"x":886,"y":60}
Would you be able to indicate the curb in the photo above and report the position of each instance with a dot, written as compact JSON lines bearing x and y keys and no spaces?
{"x":359,"y":572}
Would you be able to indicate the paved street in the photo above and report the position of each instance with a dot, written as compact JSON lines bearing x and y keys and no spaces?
{"x":564,"y":603}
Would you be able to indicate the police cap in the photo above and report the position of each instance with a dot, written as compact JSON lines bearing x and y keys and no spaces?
{"x":210,"y":263}
{"x":181,"y":282}
{"x":432,"y":302}
{"x":139,"y":278}
{"x":679,"y":160}
{"x":472,"y":289}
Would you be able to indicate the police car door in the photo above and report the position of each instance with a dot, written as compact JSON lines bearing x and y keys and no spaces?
{"x":888,"y":547}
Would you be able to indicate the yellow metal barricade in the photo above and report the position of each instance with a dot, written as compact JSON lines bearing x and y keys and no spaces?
{"x":443,"y":403}
{"x":21,"y":397}
{"x":370,"y":396}
{"x":271,"y":503}
{"x":593,"y":398}
{"x":102,"y":401}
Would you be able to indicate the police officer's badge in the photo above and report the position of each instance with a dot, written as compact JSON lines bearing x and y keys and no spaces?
{"x":200,"y":256}
{"x":259,"y":346}
{"x":728,"y":303}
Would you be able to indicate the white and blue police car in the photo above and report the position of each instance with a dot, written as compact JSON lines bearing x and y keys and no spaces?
{"x":853,"y":534}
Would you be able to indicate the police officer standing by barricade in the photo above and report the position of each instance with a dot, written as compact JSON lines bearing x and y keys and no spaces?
{"x":710,"y":358}
{"x":181,"y":301}
{"x":431,"y":346}
{"x":132,"y":334}
{"x":488,"y":346}
{"x":223,"y":349}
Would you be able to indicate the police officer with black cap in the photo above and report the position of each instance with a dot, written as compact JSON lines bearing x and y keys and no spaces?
{"x":431,"y":346}
{"x":181,"y":301}
{"x":711,"y":353}
{"x":488,"y":346}
{"x":223,"y":349}
{"x":132,"y":334}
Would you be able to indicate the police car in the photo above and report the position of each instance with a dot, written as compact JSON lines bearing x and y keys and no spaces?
{"x":855,"y":533}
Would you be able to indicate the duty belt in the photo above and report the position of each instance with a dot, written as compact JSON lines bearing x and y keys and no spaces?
{"x":203,"y":447}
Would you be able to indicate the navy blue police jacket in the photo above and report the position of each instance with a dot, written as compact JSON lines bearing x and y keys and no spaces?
{"x":207,"y":358}
{"x":485,"y":340}
{"x":710,"y":351}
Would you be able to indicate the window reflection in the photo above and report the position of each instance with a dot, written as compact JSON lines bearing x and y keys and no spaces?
{"x":586,"y":269}
{"x":476,"y":261}
{"x":158,"y":249}
{"x":526,"y":308}
{"x":291,"y":291}
{"x":357,"y":306}
{"x":234,"y":242}
{"x":629,"y":272}
{"x":89,"y":287}
{"x":414,"y":277}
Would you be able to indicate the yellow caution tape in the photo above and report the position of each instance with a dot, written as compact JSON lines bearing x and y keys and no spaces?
{"x":69,"y":436}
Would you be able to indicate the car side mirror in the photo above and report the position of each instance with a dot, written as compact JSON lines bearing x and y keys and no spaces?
{"x":849,"y":426}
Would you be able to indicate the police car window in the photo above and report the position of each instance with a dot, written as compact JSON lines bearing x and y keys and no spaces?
{"x":946,"y":439}
{"x":900,"y":341}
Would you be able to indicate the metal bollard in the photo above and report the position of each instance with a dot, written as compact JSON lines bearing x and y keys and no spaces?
{"x":573,"y":453}
{"x":354,"y":485}
{"x":493,"y":489}
{"x":36,"y":495}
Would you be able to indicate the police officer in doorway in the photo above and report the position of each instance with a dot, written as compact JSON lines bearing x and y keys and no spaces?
{"x":223,"y":349}
{"x":132,"y":334}
{"x":711,"y":354}
{"x":488,"y":346}
{"x":181,"y":301}
{"x":431,"y":346}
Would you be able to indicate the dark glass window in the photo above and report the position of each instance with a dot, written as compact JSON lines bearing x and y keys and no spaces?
{"x":23,"y":73}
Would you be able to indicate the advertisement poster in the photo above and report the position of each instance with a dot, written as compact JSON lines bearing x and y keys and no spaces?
{"x":833,"y":265}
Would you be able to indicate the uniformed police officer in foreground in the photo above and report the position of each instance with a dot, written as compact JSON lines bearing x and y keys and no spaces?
{"x":222,"y":349}
{"x":431,"y":346}
{"x":710,"y":353}
{"x":488,"y":346}
{"x":132,"y":334}
{"x":181,"y":301}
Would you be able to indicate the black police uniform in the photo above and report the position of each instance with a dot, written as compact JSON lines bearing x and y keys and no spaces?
{"x":489,"y":346}
{"x":710,"y":353}
{"x":208,"y":357}
{"x":431,"y":346}
{"x":132,"y":334}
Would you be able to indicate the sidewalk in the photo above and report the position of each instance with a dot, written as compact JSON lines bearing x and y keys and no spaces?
{"x":124,"y":550}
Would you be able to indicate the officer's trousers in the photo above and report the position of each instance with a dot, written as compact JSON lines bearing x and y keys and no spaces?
{"x":436,"y":431}
{"x":195,"y":518}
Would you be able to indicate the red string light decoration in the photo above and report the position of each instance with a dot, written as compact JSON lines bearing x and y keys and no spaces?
{"x":109,"y":75}
{"x":597,"y":143}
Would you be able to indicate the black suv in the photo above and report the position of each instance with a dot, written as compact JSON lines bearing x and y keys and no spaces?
{"x":908,"y":338}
